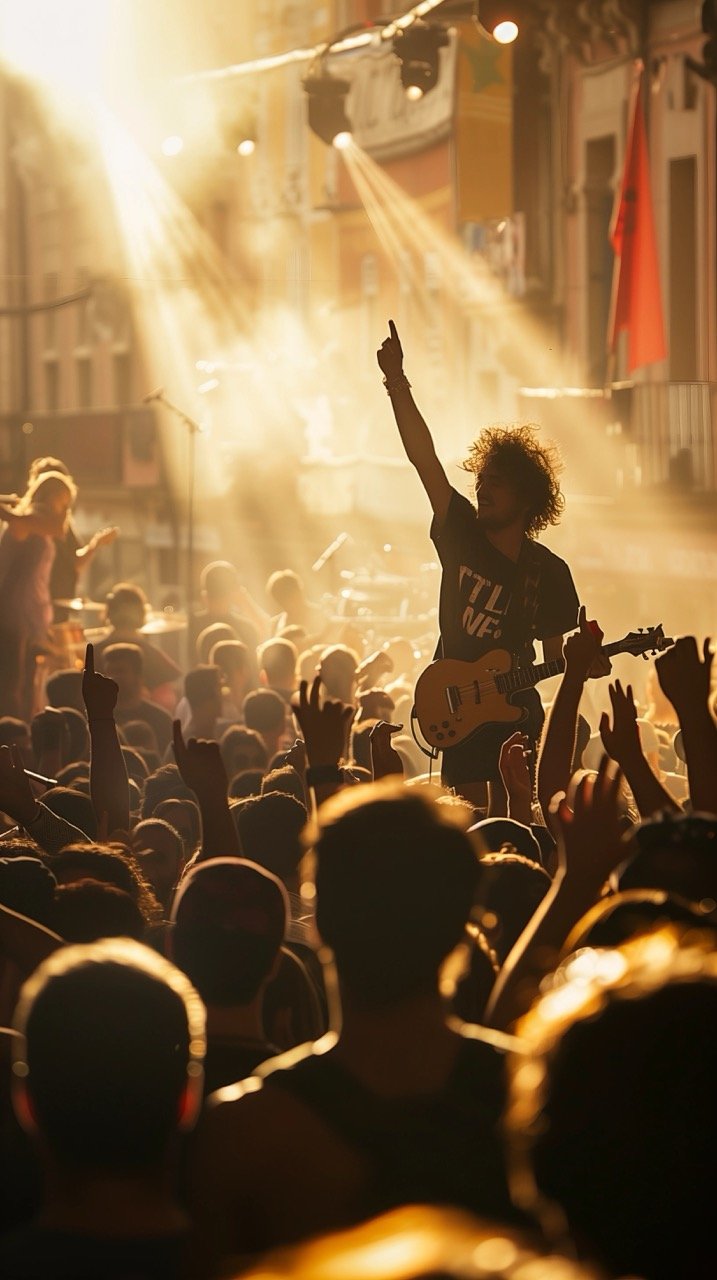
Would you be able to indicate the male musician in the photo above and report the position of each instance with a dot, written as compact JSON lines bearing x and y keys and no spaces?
{"x":500,"y":589}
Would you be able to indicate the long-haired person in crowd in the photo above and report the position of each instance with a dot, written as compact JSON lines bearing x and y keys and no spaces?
{"x":27,"y":553}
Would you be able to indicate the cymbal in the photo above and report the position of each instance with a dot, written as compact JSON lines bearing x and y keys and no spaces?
{"x":79,"y":605}
{"x":159,"y":624}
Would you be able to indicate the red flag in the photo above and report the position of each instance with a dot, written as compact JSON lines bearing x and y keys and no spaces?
{"x":636,"y":297}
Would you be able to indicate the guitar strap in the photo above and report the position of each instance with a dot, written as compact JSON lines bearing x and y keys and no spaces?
{"x":524,"y":601}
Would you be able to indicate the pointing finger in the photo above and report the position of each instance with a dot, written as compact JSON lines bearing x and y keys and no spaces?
{"x":178,"y":740}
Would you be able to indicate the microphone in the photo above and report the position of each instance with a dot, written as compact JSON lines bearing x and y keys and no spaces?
{"x":157,"y":394}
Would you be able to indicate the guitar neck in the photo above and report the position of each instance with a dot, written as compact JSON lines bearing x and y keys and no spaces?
{"x":526,"y":677}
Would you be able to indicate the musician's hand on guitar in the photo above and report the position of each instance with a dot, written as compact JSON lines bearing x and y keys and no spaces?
{"x":99,"y":693}
{"x":622,"y":739}
{"x":582,"y":649}
{"x":590,"y":834}
{"x":390,"y":354}
{"x":685,"y":676}
{"x":324,"y":728}
{"x":16,"y":798}
{"x":384,"y":760}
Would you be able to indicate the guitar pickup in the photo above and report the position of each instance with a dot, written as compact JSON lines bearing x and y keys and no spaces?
{"x":476,"y":691}
{"x":453,"y":696}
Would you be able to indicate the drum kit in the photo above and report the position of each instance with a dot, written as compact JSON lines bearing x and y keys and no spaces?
{"x":84,"y":626}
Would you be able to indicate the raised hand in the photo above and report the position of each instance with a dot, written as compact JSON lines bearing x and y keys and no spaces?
{"x":104,"y":537}
{"x":515,"y":772}
{"x":99,"y":693}
{"x":390,"y":354}
{"x":582,"y":649}
{"x":200,"y":763}
{"x":589,"y":834}
{"x":16,"y":798}
{"x":384,"y":760}
{"x":684,"y":676}
{"x":296,"y":757}
{"x":324,"y":727}
{"x":622,"y":739}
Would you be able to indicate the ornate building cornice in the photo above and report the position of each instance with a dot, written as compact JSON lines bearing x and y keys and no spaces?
{"x":584,"y":28}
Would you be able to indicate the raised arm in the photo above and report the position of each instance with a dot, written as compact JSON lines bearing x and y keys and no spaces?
{"x":42,"y":520}
{"x":201,"y":766}
{"x":16,"y":799}
{"x":108,"y":773}
{"x":581,"y":650}
{"x":685,"y":678}
{"x":589,"y":848}
{"x":621,"y":740}
{"x":103,"y":538}
{"x":412,"y":428}
{"x":325,"y":729}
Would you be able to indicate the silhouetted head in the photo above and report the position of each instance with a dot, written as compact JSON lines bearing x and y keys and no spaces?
{"x":229,"y":918}
{"x":109,"y":1065}
{"x":613,"y":1114}
{"x":395,"y":879}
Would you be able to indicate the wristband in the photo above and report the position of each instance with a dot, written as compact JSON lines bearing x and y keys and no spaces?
{"x":319,"y":774}
{"x":399,"y":383}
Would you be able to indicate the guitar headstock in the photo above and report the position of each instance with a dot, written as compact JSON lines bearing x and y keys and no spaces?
{"x":645,"y":641}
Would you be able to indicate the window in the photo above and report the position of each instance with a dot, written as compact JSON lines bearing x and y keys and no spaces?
{"x":50,"y":290}
{"x":82,"y":332}
{"x":122,"y":378}
{"x":52,"y":386}
{"x":84,"y":382}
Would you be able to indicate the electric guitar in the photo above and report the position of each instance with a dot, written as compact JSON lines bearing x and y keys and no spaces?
{"x":455,"y":699}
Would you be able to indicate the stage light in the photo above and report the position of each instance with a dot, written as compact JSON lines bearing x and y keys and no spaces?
{"x":246,"y":147}
{"x":499,"y":20}
{"x":417,"y":49}
{"x":327,"y":109}
{"x":505,"y":32}
{"x":172,"y":145}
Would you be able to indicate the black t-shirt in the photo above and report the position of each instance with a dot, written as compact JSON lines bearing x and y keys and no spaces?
{"x":441,"y":1148}
{"x":485,"y":603}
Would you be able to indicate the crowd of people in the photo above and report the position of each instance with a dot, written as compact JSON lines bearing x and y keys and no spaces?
{"x":267,"y":987}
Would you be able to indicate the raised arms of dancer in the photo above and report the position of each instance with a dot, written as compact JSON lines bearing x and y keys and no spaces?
{"x":412,"y":428}
{"x":37,"y":519}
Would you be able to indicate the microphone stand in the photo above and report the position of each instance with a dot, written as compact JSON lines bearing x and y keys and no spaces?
{"x":193,"y":430}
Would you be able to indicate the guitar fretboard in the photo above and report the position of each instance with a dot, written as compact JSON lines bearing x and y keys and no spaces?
{"x":526,"y":677}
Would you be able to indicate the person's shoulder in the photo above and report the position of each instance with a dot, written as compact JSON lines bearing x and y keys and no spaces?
{"x":255,"y":1093}
{"x":460,"y":514}
{"x":547,"y":558}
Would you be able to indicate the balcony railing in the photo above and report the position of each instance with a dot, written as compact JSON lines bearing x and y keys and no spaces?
{"x":672,"y":421}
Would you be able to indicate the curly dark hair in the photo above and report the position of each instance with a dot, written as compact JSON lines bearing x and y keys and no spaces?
{"x":533,"y":467}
